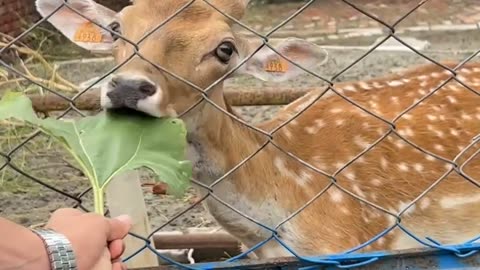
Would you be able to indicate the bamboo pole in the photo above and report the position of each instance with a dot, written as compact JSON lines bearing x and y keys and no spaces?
{"x":90,"y":101}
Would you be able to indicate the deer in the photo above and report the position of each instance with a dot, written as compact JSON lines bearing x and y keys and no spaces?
{"x":337,"y":167}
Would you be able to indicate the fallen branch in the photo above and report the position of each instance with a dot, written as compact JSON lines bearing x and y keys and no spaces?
{"x":90,"y":101}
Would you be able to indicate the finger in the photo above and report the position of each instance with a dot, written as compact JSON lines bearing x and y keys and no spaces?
{"x":118,"y":227}
{"x":118,"y":266}
{"x":116,"y":247}
{"x":103,"y":263}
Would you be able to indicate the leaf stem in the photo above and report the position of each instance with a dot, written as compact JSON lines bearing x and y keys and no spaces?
{"x":98,"y":200}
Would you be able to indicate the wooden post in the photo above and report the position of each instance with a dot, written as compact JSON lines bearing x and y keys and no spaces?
{"x":125,"y":196}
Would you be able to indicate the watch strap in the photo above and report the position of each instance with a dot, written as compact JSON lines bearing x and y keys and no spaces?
{"x":59,"y":249}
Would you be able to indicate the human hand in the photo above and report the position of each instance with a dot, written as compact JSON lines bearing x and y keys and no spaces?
{"x":96,"y":240}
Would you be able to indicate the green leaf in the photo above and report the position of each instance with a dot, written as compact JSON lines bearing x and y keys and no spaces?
{"x":107,"y":144}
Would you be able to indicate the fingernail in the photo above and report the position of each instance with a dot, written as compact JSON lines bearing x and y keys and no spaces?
{"x":125,"y":219}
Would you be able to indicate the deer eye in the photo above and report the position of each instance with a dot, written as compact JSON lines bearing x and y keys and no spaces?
{"x":225,"y":51}
{"x":115,"y":27}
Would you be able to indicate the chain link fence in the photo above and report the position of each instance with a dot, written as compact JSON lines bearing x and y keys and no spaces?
{"x":341,"y":261}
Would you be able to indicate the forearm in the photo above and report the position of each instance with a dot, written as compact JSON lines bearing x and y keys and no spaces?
{"x":21,"y":249}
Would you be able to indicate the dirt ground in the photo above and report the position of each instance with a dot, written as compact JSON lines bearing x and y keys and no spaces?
{"x":29,"y":203}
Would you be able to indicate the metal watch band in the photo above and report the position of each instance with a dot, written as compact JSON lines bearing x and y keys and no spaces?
{"x":59,"y":250}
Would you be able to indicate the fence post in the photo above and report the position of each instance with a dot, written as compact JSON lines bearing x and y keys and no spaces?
{"x":124,"y":196}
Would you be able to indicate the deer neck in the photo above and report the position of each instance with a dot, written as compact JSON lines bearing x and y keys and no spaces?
{"x":216,"y":141}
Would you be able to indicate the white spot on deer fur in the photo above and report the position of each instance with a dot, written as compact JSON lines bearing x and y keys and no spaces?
{"x":409,"y":132}
{"x":454,"y":87}
{"x":376,"y":182}
{"x":442,"y":117}
{"x":318,"y":124}
{"x":404,"y":205}
{"x":394,"y":99}
{"x":418,"y":167}
{"x":403,"y":167}
{"x":423,"y":83}
{"x":339,"y":122}
{"x":457,"y":201}
{"x":424,"y":203}
{"x":447,"y":72}
{"x":336,"y":110}
{"x":377,"y":85}
{"x":335,"y":194}
{"x":430,"y":158}
{"x":395,"y":83}
{"x":465,"y":70}
{"x":407,"y":116}
{"x":431,"y":117}
{"x":422,"y":92}
{"x":364,"y":85}
{"x":400,"y":144}
{"x":462,"y":78}
{"x":373,"y":104}
{"x":454,"y":132}
{"x":475,"y":69}
{"x":345,"y":210}
{"x":287,"y":133}
{"x":350,"y":88}
{"x":358,"y":140}
{"x":439,"y":147}
{"x":435,"y":75}
{"x":466,"y":116}
{"x":422,"y":77}
{"x":437,"y":132}
{"x":406,"y":80}
{"x":477,"y":116}
{"x":350,"y":175}
{"x":358,"y":191}
{"x":452,"y":99}
{"x":383,"y":162}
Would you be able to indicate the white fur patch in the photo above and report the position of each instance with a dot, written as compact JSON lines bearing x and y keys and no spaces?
{"x":151,"y":105}
{"x":457,"y":201}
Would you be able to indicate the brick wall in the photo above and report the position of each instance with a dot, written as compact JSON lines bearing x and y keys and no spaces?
{"x":12,"y":12}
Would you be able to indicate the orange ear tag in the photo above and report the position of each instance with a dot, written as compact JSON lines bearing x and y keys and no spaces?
{"x":277,"y":65}
{"x":88,"y":32}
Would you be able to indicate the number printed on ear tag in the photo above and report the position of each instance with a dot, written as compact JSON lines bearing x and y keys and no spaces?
{"x":88,"y":32}
{"x":277,"y":65}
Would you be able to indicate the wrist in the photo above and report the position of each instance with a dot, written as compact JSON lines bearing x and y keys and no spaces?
{"x":40,"y":257}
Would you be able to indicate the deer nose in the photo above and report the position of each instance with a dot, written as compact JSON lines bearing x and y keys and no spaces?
{"x":126,"y":92}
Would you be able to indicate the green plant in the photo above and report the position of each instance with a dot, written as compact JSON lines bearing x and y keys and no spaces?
{"x":107,"y":144}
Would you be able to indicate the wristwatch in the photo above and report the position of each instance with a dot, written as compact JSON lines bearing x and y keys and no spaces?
{"x":59,"y":250}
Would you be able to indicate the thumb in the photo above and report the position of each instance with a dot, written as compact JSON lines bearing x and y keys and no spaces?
{"x":118,"y":227}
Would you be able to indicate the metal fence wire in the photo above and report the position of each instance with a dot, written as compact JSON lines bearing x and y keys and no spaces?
{"x":462,"y":251}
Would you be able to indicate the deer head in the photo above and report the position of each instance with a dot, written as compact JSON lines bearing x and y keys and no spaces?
{"x":195,"y":42}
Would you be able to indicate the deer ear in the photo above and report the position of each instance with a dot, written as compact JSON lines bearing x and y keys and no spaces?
{"x":267,"y":65}
{"x":64,"y":15}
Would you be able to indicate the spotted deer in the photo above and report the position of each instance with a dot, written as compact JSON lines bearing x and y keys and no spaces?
{"x":346,"y":205}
